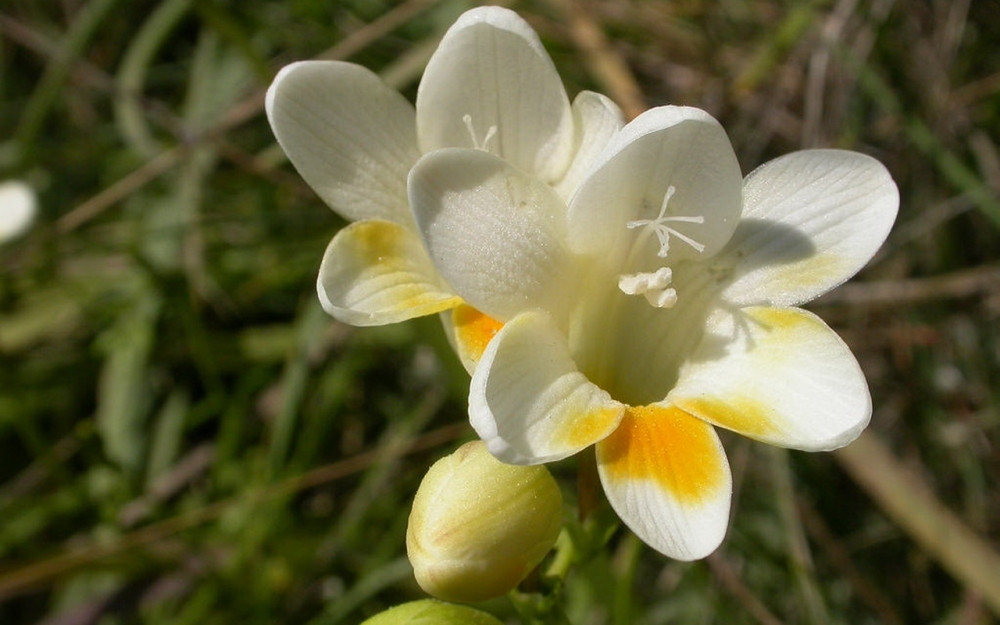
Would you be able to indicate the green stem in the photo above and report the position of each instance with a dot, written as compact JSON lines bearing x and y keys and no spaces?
{"x":565,"y":553}
{"x":799,"y":557}
{"x":625,"y":564}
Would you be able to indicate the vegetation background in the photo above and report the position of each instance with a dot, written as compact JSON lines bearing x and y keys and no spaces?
{"x":185,"y":437}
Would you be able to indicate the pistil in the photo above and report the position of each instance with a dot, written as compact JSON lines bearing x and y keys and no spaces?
{"x":663,"y":231}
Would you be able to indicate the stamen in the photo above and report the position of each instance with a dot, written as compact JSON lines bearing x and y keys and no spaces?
{"x":663,"y":232}
{"x":490,"y":133}
{"x":653,"y":286}
{"x":637,"y":283}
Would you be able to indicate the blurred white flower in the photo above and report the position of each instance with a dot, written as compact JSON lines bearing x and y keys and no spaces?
{"x":18,"y":206}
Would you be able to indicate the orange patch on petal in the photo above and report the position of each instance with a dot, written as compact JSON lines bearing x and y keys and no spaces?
{"x":666,"y":445}
{"x":745,"y":415}
{"x":473,"y":330}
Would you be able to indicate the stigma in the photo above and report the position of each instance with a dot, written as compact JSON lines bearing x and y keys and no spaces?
{"x":479,"y":145}
{"x":663,"y":231}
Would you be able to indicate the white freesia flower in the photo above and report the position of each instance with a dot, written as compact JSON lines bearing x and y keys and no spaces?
{"x":18,"y":206}
{"x":489,"y":86}
{"x":658,"y":302}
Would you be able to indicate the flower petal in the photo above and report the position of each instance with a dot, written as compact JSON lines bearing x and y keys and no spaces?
{"x":778,"y":375}
{"x":491,"y":72}
{"x":494,"y":233}
{"x":596,"y":119}
{"x":527,"y":400}
{"x":666,"y":475}
{"x":811,"y":220}
{"x":670,"y":146}
{"x":350,"y":136}
{"x":377,"y":272}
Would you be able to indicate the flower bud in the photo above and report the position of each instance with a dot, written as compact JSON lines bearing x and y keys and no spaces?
{"x":431,"y":612}
{"x":479,"y":526}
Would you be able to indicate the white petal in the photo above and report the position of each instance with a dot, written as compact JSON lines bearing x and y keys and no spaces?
{"x":494,"y":233}
{"x":666,"y":475}
{"x":350,"y":136}
{"x":596,"y":119}
{"x":778,"y":375}
{"x":811,"y":220}
{"x":492,"y":70}
{"x":17,"y":209}
{"x":667,"y":147}
{"x":377,"y":272}
{"x":527,"y":400}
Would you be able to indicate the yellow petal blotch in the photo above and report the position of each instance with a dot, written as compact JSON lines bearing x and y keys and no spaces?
{"x":745,"y":415}
{"x":591,"y":427}
{"x":806,"y":274}
{"x":669,"y":446}
{"x":376,"y":272}
{"x":775,"y":318}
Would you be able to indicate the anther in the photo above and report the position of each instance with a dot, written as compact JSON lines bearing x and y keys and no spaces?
{"x":653,"y":286}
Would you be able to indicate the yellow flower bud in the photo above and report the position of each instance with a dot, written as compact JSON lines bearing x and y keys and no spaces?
{"x":479,"y":526}
{"x":431,"y":612}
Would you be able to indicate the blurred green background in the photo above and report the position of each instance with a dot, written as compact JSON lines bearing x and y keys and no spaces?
{"x":185,"y":437}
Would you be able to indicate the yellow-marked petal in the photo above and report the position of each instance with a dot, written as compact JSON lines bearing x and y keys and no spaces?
{"x":528,"y":401}
{"x":778,"y":375}
{"x":811,"y":220}
{"x":473,"y":332}
{"x":376,"y":272}
{"x":666,"y":475}
{"x":669,"y":446}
